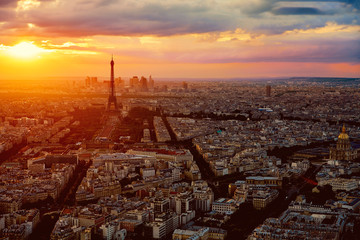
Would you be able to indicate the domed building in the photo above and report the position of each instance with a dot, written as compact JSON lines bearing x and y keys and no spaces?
{"x":343,"y":149}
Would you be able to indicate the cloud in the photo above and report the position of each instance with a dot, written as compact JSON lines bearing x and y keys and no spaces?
{"x":106,"y":2}
{"x":330,"y":44}
{"x":7,"y":3}
{"x":253,"y":7}
{"x":309,"y":51}
{"x":5,"y":15}
{"x":285,"y":16}
{"x":354,"y":3}
{"x":80,"y":18}
{"x":297,"y":11}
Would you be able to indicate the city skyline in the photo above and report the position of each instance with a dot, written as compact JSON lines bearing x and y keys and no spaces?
{"x":179,"y":120}
{"x":180,"y":160}
{"x":174,"y":39}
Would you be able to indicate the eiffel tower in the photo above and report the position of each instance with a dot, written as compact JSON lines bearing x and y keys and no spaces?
{"x":112,"y":96}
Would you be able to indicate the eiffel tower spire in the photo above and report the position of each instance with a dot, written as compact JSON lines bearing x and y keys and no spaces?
{"x":112,"y":96}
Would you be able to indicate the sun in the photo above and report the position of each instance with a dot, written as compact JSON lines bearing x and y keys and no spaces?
{"x":25,"y":50}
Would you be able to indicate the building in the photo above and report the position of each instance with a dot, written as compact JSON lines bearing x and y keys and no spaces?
{"x":217,"y":234}
{"x":171,"y":155}
{"x":9,"y":204}
{"x":203,"y":196}
{"x":140,"y":215}
{"x":91,"y":82}
{"x":224,"y":205}
{"x":213,"y":233}
{"x":55,"y":158}
{"x":340,"y":184}
{"x":268,"y":90}
{"x":134,"y":81}
{"x":143,"y":84}
{"x":193,"y":173}
{"x":63,"y":230}
{"x":163,"y":225}
{"x":87,"y":81}
{"x":262,"y":198}
{"x":147,"y":172}
{"x":161,"y":205}
{"x":12,"y":225}
{"x":15,"y":231}
{"x":303,"y":221}
{"x":343,"y":149}
{"x":184,"y":202}
{"x":122,"y":158}
{"x":201,"y":234}
{"x":108,"y":230}
{"x":151,"y":82}
{"x":272,"y":182}
{"x":131,"y":225}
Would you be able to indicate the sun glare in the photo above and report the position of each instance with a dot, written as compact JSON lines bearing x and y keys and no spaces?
{"x":25,"y":50}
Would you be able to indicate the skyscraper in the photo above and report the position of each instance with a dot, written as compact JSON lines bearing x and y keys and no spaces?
{"x":93,"y":81}
{"x":134,"y":82}
{"x":151,"y":82}
{"x":87,"y":82}
{"x":143,"y":84}
{"x":268,"y":90}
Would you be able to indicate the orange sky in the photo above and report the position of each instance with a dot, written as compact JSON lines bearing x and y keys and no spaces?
{"x":201,"y":39}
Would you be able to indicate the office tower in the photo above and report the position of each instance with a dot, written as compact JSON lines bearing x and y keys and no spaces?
{"x":87,"y":82}
{"x":151,"y":82}
{"x":143,"y":84}
{"x":134,"y":81}
{"x":268,"y":90}
{"x":93,"y":81}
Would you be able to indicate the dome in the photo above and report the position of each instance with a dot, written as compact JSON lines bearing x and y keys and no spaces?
{"x":343,"y":134}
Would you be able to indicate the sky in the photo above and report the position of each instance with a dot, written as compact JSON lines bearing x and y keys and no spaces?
{"x":179,"y":38}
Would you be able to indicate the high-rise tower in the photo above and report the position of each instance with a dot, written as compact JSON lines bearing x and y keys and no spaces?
{"x":268,"y":90}
{"x":112,"y":97}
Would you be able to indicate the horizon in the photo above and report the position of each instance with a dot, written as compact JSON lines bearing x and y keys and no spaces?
{"x":179,"y":79}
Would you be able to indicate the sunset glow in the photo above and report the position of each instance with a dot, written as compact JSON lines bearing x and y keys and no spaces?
{"x":160,"y":38}
{"x":25,"y":50}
